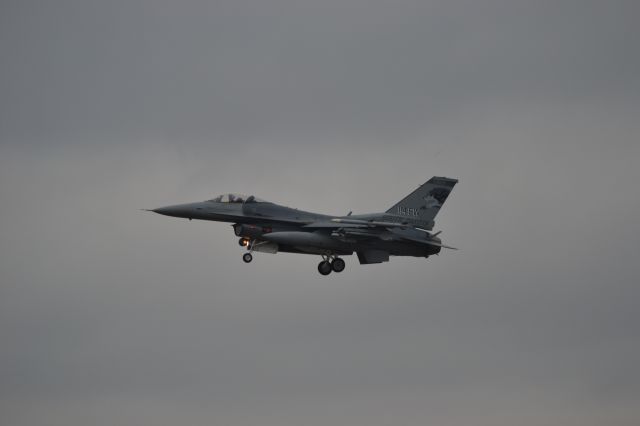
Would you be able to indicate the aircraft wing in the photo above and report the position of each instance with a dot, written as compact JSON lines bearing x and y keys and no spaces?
{"x":392,"y":234}
{"x":371,"y":229}
{"x":333,"y":225}
{"x":370,"y":223}
{"x":355,"y":223}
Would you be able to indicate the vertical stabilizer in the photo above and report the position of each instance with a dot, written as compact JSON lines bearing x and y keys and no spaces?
{"x":423,"y":204}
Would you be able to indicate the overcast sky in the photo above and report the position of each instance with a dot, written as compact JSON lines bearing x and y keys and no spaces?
{"x":114,"y":316}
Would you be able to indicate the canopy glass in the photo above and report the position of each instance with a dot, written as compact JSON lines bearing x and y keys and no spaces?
{"x":236,"y":198}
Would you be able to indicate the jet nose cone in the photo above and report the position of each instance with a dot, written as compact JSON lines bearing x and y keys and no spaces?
{"x":180,"y":210}
{"x":162,"y":210}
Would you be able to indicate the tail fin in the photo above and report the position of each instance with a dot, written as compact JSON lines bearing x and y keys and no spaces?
{"x":423,"y":204}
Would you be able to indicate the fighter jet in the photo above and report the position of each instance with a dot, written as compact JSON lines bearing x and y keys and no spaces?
{"x":266,"y":227}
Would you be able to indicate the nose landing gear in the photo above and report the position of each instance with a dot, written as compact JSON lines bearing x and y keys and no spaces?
{"x":246,"y":242}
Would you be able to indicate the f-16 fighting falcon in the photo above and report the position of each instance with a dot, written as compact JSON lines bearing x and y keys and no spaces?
{"x":403,"y":230}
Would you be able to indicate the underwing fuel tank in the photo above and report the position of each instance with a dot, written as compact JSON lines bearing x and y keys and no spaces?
{"x":305,"y":239}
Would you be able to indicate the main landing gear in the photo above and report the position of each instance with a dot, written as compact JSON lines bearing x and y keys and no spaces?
{"x":330,"y":263}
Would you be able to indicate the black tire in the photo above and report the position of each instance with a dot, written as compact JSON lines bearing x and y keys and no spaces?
{"x":338,"y":265}
{"x":324,"y":267}
{"x":247,"y":257}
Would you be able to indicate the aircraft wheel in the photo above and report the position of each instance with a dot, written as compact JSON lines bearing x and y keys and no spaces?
{"x":247,"y":257}
{"x":338,"y":265}
{"x":324,"y":267}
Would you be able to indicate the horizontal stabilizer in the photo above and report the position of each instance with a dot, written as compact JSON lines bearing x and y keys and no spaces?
{"x":437,"y":244}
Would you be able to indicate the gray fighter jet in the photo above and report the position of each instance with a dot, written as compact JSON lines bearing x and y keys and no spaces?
{"x":403,"y":230}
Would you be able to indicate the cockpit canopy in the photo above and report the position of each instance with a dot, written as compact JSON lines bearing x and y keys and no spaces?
{"x":236,"y":198}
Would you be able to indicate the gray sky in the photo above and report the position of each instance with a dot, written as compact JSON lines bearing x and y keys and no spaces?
{"x":113,"y":316}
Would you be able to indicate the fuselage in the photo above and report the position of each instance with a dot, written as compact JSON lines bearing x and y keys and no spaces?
{"x":403,"y":230}
{"x":286,"y":227}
